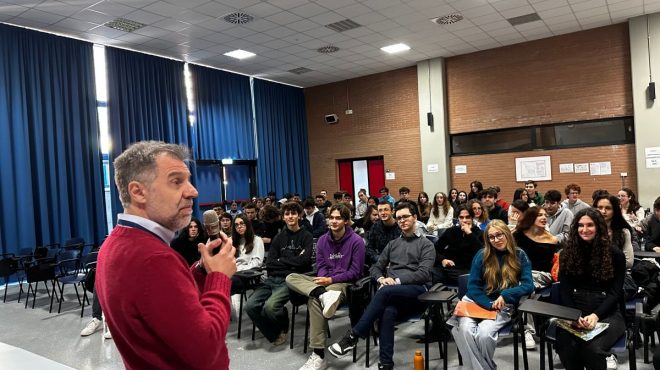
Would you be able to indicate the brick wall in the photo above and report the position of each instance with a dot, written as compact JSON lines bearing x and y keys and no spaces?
{"x":578,"y":76}
{"x":385,"y":122}
{"x":500,"y":169}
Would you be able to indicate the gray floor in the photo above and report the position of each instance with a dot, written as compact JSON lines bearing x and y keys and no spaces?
{"x":57,"y":337}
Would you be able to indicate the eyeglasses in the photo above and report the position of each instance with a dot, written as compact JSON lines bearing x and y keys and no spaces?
{"x":239,"y":224}
{"x":494,"y":237}
{"x":403,"y":217}
{"x":476,"y":209}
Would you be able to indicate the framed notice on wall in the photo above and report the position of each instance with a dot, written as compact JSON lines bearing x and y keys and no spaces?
{"x":533,"y":168}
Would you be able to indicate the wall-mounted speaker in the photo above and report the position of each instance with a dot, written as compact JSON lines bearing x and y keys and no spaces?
{"x":651,"y":90}
{"x":331,"y":119}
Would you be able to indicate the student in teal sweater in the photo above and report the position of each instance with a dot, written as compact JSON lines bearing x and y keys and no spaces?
{"x":500,"y":276}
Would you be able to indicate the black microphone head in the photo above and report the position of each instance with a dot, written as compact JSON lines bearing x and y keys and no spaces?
{"x":211,"y":224}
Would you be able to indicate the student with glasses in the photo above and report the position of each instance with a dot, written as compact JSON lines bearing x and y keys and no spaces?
{"x":403,"y":272}
{"x":480,"y":213}
{"x":500,"y":276}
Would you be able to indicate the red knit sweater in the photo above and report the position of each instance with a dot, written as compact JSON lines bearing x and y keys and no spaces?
{"x":158,"y":317}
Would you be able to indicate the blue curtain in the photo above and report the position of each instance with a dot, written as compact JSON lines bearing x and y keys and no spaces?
{"x":223,"y":104}
{"x":283,"y":152}
{"x":146,"y":101}
{"x":51,"y":182}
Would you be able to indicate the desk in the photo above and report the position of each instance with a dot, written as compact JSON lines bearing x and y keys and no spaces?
{"x":645,"y":254}
{"x":433,"y":298}
{"x":18,"y":358}
{"x":548,"y":310}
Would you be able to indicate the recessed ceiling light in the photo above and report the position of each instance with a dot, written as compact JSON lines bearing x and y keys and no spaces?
{"x":396,"y":48}
{"x":240,"y":54}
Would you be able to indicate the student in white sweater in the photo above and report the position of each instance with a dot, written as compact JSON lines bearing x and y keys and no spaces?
{"x":442,"y":214}
{"x":249,"y":254}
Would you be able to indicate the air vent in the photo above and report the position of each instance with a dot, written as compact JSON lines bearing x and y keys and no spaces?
{"x":448,"y":19}
{"x":300,"y":70}
{"x":527,"y":18}
{"x":327,"y":49}
{"x":238,"y":18}
{"x":123,"y":24}
{"x":344,"y":25}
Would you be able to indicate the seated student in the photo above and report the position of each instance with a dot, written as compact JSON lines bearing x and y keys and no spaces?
{"x":534,"y":196}
{"x":442,"y":214}
{"x":540,"y":246}
{"x":186,"y":242}
{"x":559,"y":218}
{"x":225,"y":223}
{"x":456,"y":248}
{"x":475,"y":190}
{"x":652,"y":235}
{"x":572,"y":201}
{"x":403,"y":272}
{"x":363,"y":225}
{"x":382,"y":232}
{"x":340,"y":261}
{"x":251,"y":210}
{"x":631,"y":209}
{"x":500,"y":276}
{"x":480,"y":213}
{"x":290,"y":251}
{"x":619,"y":231}
{"x":591,"y":274}
{"x":316,"y":220}
{"x":521,"y":193}
{"x":500,"y":201}
{"x":489,"y":201}
{"x":249,"y":254}
{"x":273,"y":224}
{"x":516,"y":210}
{"x":424,"y":206}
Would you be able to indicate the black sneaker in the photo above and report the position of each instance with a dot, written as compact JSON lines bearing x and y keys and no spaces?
{"x":385,"y":367}
{"x":344,"y":346}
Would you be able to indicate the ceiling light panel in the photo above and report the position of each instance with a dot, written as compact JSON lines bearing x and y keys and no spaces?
{"x":240,"y":54}
{"x":395,"y":48}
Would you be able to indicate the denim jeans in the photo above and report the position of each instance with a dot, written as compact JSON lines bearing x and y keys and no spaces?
{"x":391,"y":302}
{"x":266,"y":307}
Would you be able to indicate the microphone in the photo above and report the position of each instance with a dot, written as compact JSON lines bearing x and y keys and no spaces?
{"x":212,"y":224}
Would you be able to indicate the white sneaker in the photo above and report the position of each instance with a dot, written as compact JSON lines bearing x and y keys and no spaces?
{"x":315,"y":362}
{"x":106,"y":329}
{"x":91,"y":328}
{"x":330,"y":302}
{"x":529,"y":340}
{"x":612,"y":363}
{"x":281,"y":339}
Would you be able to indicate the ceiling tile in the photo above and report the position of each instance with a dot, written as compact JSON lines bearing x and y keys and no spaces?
{"x":10,"y":11}
{"x":172,"y":25}
{"x":262,"y":10}
{"x":334,"y":4}
{"x":302,"y":25}
{"x":308,"y":10}
{"x":164,"y":9}
{"x":261,"y":25}
{"x":192,"y":17}
{"x":549,"y":4}
{"x":354,"y":10}
{"x":56,"y":7}
{"x":287,"y":4}
{"x":41,"y":17}
{"x":114,"y":9}
{"x":144,"y":17}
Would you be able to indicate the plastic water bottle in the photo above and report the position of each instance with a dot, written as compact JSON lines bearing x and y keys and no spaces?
{"x":418,"y":361}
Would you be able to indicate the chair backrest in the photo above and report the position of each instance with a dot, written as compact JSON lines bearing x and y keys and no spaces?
{"x":555,"y":296}
{"x":8,"y":267}
{"x":462,"y":285}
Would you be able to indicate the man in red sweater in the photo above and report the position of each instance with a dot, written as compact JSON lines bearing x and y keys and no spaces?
{"x":162,"y":314}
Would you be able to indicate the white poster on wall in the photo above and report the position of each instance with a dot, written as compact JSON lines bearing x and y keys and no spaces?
{"x":390,"y":176}
{"x":581,"y":168}
{"x":566,"y":168}
{"x":600,"y":168}
{"x":460,"y":168}
{"x":431,"y":168}
{"x":653,"y":162}
{"x":533,"y":168}
{"x":653,"y":152}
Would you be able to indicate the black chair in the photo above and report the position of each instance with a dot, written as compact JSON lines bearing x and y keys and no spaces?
{"x":9,"y":266}
{"x":298,"y":300}
{"x":250,"y":279}
{"x":435,"y":299}
{"x":69,"y":272}
{"x":36,"y":271}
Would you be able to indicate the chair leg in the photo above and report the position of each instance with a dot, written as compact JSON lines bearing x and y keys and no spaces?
{"x":77,"y":294}
{"x":4,"y":300}
{"x":524,"y":346}
{"x":307,"y":331}
{"x":516,"y":366}
{"x":27,"y":298}
{"x":53,"y":296}
{"x":240,"y":315}
{"x":426,"y":341}
{"x":551,"y":364}
{"x":84,"y":292}
{"x":20,"y":290}
{"x":293,"y":322}
{"x":59,"y":306}
{"x":254,"y":330}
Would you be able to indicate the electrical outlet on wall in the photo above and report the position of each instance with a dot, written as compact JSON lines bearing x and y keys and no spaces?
{"x":349,"y":112}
